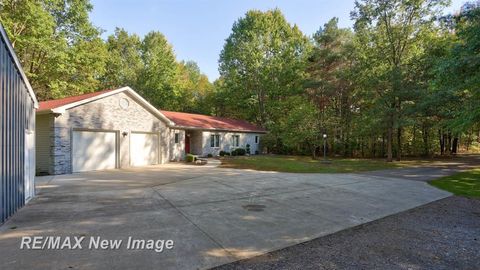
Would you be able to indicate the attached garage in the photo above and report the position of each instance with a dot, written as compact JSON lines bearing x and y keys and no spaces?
{"x":144,"y":149}
{"x":94,"y":150}
{"x":102,"y":130}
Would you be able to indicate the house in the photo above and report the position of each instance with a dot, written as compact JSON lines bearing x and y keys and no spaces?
{"x":203,"y":134}
{"x":17,"y":132}
{"x":118,"y":128}
{"x":102,"y":130}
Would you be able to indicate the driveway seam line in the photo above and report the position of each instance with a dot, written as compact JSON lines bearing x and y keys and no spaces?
{"x":194,"y":224}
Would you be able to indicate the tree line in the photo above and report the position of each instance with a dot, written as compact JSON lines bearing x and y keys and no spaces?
{"x":404,"y":81}
{"x":63,"y":54}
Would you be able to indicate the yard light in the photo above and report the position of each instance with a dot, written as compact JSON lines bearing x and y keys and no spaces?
{"x":325,"y":146}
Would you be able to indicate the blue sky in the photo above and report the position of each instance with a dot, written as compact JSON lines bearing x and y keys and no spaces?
{"x":197,"y":29}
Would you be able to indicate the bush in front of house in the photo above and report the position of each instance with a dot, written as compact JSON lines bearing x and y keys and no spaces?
{"x":209,"y":155}
{"x":190,"y":158}
{"x":239,"y":152}
{"x":222,"y":153}
{"x":247,"y":149}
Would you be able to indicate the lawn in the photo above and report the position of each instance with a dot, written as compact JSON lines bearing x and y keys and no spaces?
{"x":302,"y":164}
{"x":464,"y":184}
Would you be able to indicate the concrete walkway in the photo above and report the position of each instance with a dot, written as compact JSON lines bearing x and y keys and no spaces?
{"x":213,"y":215}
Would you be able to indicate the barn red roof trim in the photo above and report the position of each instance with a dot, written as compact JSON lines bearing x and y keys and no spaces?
{"x":207,"y":122}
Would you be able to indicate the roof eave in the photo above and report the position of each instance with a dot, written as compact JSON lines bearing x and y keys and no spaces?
{"x":220,"y":129}
{"x":62,"y":109}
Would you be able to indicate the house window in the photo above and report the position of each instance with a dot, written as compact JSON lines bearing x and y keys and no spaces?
{"x":177,"y":138}
{"x":236,"y":140}
{"x":214,"y":140}
{"x":256,"y":139}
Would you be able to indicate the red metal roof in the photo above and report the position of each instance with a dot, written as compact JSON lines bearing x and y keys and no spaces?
{"x":52,"y":104}
{"x":181,"y":119}
{"x":201,"y":121}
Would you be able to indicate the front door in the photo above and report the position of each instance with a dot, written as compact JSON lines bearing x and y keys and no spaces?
{"x":187,"y":143}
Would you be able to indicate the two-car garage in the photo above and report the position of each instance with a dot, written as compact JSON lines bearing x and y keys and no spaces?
{"x":99,"y":149}
{"x":103,"y":130}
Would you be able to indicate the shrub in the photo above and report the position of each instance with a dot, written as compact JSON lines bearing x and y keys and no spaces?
{"x":222,"y":153}
{"x":209,"y":155}
{"x":190,"y":158}
{"x":234,"y":152}
{"x":256,"y":152}
{"x":240,"y":151}
{"x":247,"y":148}
{"x":227,"y":153}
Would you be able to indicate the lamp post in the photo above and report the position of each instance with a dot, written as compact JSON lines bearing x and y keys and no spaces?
{"x":325,"y":146}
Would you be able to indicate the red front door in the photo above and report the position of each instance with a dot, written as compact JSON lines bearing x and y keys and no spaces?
{"x":187,"y":144}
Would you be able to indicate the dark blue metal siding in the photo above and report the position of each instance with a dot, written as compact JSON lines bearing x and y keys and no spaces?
{"x":16,"y":107}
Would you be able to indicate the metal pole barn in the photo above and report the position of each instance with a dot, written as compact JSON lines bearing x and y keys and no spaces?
{"x":17,"y":104}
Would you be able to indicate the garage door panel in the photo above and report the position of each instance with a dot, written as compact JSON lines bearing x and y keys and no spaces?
{"x":93,"y":150}
{"x":144,"y":149}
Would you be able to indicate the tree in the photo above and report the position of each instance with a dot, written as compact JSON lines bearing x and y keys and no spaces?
{"x":300,"y":129}
{"x":458,"y":71}
{"x":194,"y":88}
{"x":261,"y":63}
{"x":156,"y":81}
{"x":329,"y":82}
{"x":124,"y":63}
{"x":390,"y":34}
{"x":60,"y":49}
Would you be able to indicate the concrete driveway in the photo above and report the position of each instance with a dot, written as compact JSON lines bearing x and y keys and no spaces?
{"x":214,"y":216}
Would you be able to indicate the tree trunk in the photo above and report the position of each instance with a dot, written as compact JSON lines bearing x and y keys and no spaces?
{"x":389,"y":144}
{"x":412,"y":147}
{"x":374,"y":146}
{"x":390,"y":132}
{"x":399,"y":143}
{"x":442,"y":142}
{"x":455,"y":145}
{"x":426,"y":151}
{"x":383,"y":145}
{"x":448,"y":144}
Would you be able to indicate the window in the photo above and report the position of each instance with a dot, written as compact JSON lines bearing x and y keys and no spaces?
{"x":177,"y":138}
{"x":214,"y":140}
{"x":256,"y":139}
{"x":236,"y":140}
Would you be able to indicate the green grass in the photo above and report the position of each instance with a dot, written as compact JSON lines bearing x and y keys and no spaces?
{"x":302,"y":164}
{"x":464,"y":184}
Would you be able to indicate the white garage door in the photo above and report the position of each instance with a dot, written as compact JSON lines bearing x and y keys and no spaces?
{"x":93,"y":150}
{"x":143,"y":149}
